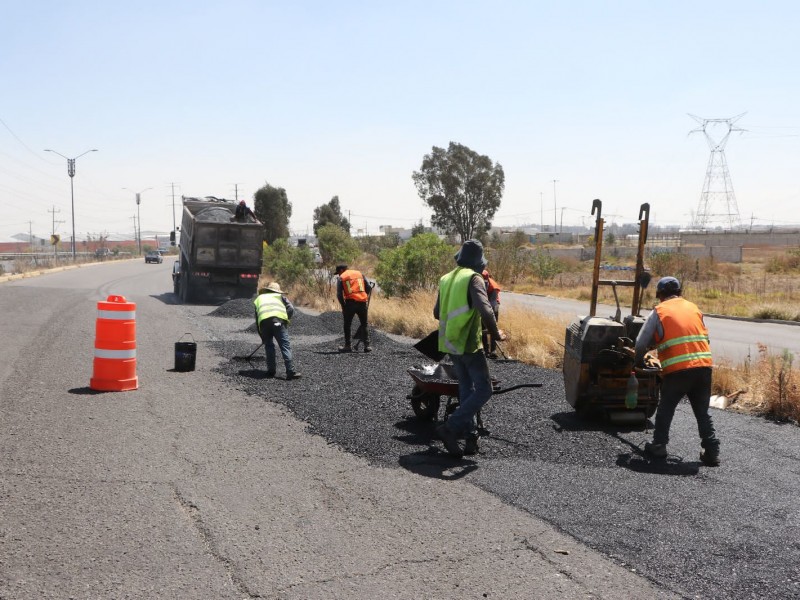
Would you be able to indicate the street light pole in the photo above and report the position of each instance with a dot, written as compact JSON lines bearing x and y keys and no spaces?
{"x":71,"y":173}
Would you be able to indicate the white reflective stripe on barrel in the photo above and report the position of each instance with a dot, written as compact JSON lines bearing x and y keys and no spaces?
{"x":100,"y":353}
{"x":122,"y":315}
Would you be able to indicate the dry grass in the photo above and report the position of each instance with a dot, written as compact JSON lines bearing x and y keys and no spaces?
{"x":770,"y":386}
{"x":532,"y":337}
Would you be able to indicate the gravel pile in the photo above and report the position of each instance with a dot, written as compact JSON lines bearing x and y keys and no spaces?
{"x":239,"y":308}
{"x":590,"y":480}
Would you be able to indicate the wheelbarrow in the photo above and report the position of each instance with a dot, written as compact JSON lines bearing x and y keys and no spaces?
{"x":434,"y":381}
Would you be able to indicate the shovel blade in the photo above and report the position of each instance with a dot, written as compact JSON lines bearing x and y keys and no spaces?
{"x":429,"y":346}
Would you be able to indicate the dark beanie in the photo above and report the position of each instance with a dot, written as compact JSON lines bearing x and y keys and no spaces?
{"x":471,"y":255}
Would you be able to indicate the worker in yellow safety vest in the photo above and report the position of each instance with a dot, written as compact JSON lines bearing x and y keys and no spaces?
{"x":677,"y":330}
{"x":273,"y":312}
{"x":463,"y":309}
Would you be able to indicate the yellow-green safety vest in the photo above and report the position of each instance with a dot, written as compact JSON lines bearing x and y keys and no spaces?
{"x":459,"y":324}
{"x":270,"y":305}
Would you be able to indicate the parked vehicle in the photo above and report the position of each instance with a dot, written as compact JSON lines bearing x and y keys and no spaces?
{"x":153,"y":257}
{"x":219,"y":257}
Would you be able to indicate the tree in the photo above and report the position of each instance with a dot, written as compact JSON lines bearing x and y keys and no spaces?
{"x":330,"y":213}
{"x":336,"y":246}
{"x":462,"y":188}
{"x":417,"y":264}
{"x":544,"y":265}
{"x":509,"y":257}
{"x":288,"y":264}
{"x":417,"y":229}
{"x":273,"y":209}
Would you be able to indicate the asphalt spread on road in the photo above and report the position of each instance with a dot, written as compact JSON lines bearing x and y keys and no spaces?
{"x":726,"y":532}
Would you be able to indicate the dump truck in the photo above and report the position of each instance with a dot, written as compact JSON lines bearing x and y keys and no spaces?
{"x":220,"y":257}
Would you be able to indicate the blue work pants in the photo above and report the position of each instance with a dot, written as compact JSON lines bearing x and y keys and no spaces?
{"x":474,"y":390}
{"x":274,"y":328}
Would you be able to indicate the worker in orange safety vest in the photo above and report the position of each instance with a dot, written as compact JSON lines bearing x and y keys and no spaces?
{"x":493,"y":292}
{"x":353,"y":293}
{"x":676,"y":329}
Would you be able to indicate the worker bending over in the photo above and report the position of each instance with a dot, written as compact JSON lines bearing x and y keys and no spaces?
{"x":462,"y":309}
{"x":353,"y":291}
{"x":273,"y":312}
{"x":676,"y":328}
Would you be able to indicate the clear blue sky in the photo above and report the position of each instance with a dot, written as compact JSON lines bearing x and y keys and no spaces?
{"x":346,"y":98}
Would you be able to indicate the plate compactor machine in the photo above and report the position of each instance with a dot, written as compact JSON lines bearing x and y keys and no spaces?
{"x":599,"y":351}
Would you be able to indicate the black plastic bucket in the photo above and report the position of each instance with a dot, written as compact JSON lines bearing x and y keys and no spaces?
{"x":185,"y":354}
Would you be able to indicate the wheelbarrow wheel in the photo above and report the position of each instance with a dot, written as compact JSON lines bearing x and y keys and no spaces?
{"x":425,"y":404}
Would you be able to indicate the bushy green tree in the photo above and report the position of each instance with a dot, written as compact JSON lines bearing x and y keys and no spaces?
{"x":373,"y":244}
{"x":336,"y":246}
{"x":330,"y":213}
{"x":288,"y":264}
{"x":544,"y":265}
{"x":462,"y":187}
{"x":418,"y":264}
{"x":273,"y":209}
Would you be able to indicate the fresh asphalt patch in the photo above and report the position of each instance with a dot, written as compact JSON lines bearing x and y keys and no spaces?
{"x":726,"y":532}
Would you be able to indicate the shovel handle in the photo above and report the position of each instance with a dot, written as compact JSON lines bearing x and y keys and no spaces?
{"x":516,"y":387}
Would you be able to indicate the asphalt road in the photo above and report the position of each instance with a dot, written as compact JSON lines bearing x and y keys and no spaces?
{"x":194,"y":487}
{"x":220,"y":483}
{"x":732,"y":340}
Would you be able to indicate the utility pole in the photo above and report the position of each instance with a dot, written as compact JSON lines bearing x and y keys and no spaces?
{"x":30,"y":236}
{"x":541,"y":206}
{"x":555,"y":210}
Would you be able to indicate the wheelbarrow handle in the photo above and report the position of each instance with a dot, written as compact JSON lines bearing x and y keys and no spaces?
{"x":516,"y":387}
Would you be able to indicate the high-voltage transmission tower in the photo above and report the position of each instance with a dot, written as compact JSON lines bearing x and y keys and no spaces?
{"x":717,"y":202}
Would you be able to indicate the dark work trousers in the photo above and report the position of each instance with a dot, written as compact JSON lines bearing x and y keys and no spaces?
{"x":274,"y":328}
{"x":350,"y":309}
{"x":695,"y":384}
{"x":489,"y":341}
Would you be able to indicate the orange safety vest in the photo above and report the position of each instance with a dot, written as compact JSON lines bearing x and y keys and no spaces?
{"x":353,"y":285}
{"x":685,"y":342}
{"x":492,"y":287}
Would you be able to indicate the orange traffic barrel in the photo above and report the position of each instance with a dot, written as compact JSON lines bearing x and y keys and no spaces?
{"x":115,"y":346}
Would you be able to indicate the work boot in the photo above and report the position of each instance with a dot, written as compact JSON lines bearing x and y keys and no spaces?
{"x":270,"y":374}
{"x":709,"y":458}
{"x":293,"y":375}
{"x":449,"y":440}
{"x":367,"y":348}
{"x":346,"y":348}
{"x":655,"y":450}
{"x":472,"y":444}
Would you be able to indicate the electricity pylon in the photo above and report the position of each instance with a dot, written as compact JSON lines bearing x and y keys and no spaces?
{"x":717,"y":201}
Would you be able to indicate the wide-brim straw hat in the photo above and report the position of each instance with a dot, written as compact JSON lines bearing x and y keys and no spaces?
{"x":274,"y":286}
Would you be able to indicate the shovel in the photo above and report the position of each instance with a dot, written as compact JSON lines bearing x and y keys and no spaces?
{"x":429,"y":346}
{"x":247,"y":358}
